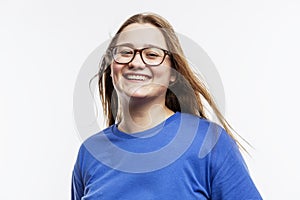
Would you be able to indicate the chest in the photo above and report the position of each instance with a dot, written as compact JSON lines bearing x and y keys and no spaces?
{"x":180,"y":180}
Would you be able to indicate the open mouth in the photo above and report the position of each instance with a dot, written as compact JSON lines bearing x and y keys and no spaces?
{"x":136,"y":77}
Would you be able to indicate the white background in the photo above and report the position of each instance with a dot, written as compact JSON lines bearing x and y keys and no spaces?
{"x":255,"y":46}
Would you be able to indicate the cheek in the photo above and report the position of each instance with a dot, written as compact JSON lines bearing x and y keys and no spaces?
{"x":162,"y":75}
{"x":116,"y":70}
{"x":165,"y":71}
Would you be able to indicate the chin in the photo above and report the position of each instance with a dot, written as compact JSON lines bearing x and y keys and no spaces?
{"x":138,"y":94}
{"x":144,"y":93}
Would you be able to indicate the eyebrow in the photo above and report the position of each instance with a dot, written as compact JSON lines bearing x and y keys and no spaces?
{"x":144,"y":46}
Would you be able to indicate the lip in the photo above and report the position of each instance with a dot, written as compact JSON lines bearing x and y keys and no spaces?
{"x":136,"y":77}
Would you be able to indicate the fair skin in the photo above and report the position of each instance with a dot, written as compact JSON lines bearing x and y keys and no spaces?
{"x":142,"y":101}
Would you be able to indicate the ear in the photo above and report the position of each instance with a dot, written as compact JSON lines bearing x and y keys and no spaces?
{"x":172,"y":78}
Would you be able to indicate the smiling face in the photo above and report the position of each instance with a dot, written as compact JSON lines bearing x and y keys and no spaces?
{"x":137,"y":79}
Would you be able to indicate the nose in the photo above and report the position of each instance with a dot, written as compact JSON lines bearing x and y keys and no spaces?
{"x":137,"y":61}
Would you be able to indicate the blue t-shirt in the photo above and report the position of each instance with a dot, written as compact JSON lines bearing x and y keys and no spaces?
{"x":185,"y":157}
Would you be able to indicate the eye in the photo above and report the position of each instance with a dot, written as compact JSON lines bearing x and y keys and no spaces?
{"x":125,"y":52}
{"x":153,"y":53}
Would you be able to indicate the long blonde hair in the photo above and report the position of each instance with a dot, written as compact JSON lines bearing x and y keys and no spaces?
{"x":188,"y":83}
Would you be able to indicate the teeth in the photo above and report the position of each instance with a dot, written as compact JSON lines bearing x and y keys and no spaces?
{"x":136,"y":77}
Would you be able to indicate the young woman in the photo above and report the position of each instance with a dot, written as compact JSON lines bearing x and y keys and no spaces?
{"x":159,"y":143}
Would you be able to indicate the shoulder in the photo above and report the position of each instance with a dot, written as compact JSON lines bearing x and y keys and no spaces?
{"x":208,"y":137}
{"x":97,"y":136}
{"x":213,"y":132}
{"x":92,"y":141}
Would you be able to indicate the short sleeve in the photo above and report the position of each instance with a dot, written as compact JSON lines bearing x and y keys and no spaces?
{"x":77,"y":183}
{"x":232,"y":179}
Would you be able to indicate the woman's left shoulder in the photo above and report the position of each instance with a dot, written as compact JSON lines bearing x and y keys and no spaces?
{"x":210,"y":136}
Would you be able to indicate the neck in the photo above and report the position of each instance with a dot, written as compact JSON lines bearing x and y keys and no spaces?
{"x":140,"y":114}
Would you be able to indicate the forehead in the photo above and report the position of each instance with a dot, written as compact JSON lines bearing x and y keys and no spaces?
{"x":142,"y":35}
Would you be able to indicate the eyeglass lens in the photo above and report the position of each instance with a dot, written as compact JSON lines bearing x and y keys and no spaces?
{"x":150,"y":56}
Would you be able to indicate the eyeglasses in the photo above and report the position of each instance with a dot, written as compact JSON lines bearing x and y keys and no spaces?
{"x":152,"y":56}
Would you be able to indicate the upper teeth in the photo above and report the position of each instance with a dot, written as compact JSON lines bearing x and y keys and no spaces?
{"x":136,"y":77}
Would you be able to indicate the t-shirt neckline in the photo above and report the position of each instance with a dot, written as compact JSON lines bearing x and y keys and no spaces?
{"x":146,"y":133}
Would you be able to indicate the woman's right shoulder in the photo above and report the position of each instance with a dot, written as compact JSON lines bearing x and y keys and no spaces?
{"x":93,"y":141}
{"x":98,"y":135}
